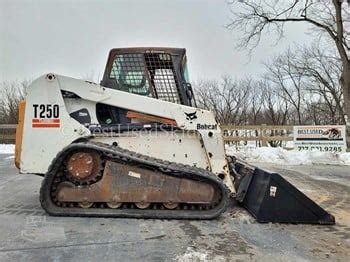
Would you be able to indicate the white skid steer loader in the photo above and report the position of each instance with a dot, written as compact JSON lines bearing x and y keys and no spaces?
{"x":137,"y":146}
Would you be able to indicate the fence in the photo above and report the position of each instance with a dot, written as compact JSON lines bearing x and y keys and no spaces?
{"x":261,"y":134}
{"x":7,"y":134}
{"x":232,"y":134}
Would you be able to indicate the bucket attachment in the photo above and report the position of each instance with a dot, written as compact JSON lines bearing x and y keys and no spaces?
{"x":271,"y":198}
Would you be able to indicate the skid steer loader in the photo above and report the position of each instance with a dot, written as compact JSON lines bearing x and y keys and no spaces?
{"x":137,"y":146}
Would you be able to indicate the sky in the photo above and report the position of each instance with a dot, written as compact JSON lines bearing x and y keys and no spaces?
{"x":73,"y":37}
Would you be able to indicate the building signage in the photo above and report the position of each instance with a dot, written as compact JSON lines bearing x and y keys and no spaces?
{"x":320,"y":138}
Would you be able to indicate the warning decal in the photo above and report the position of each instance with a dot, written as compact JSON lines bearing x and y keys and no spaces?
{"x":45,"y":123}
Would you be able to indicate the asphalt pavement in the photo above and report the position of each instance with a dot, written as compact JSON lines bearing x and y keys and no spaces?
{"x":27,"y":233}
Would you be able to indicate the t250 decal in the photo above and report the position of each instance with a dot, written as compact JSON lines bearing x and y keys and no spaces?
{"x":46,"y":111}
{"x":46,"y":116}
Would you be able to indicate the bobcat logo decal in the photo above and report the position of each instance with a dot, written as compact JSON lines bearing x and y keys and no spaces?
{"x":191,"y":116}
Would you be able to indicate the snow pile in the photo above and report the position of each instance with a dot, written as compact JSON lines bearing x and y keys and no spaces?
{"x":7,"y":149}
{"x":192,"y":255}
{"x":345,"y":157}
{"x":279,"y":155}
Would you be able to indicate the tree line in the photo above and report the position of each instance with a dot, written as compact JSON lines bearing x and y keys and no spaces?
{"x":303,"y":85}
{"x":299,"y":86}
{"x":11,"y":93}
{"x":328,"y":21}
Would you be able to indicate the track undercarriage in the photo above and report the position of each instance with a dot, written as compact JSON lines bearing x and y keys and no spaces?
{"x":96,"y":179}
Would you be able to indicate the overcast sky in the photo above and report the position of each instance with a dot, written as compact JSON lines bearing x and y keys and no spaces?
{"x":72,"y":37}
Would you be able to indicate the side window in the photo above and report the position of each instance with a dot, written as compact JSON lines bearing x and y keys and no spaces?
{"x":185,"y":74}
{"x":165,"y":85}
{"x":129,"y":72}
{"x":162,"y":74}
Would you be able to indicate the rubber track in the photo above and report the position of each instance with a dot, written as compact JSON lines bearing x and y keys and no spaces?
{"x":122,"y":155}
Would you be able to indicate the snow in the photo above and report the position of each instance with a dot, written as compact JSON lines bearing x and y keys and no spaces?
{"x":279,"y":155}
{"x":275,"y":155}
{"x":192,"y":255}
{"x":289,"y":145}
{"x":7,"y":149}
{"x":345,"y":158}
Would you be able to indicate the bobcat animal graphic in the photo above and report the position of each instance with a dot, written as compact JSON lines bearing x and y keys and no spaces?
{"x":191,"y":116}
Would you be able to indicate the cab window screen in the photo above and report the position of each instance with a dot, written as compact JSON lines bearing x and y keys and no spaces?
{"x":165,"y":85}
{"x":149,"y":74}
{"x":161,"y":69}
{"x":128,"y":71}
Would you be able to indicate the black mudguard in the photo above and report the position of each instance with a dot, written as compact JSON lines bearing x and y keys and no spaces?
{"x":271,"y":198}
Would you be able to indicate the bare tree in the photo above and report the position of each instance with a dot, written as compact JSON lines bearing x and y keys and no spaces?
{"x":320,"y":68}
{"x":244,"y":102}
{"x":288,"y":81}
{"x":10,"y":96}
{"x":329,"y":18}
{"x":275,"y":107}
{"x":228,"y":99}
{"x":255,"y":101}
{"x":307,"y":77}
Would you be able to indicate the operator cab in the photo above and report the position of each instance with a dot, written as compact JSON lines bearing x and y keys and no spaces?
{"x":160,"y":73}
{"x":156,"y":72}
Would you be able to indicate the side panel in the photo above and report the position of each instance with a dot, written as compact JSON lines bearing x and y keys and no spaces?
{"x":187,"y":118}
{"x":178,"y":147}
{"x":45,"y":136}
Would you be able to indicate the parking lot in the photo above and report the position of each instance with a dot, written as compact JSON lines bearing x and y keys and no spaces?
{"x":28,"y":234}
